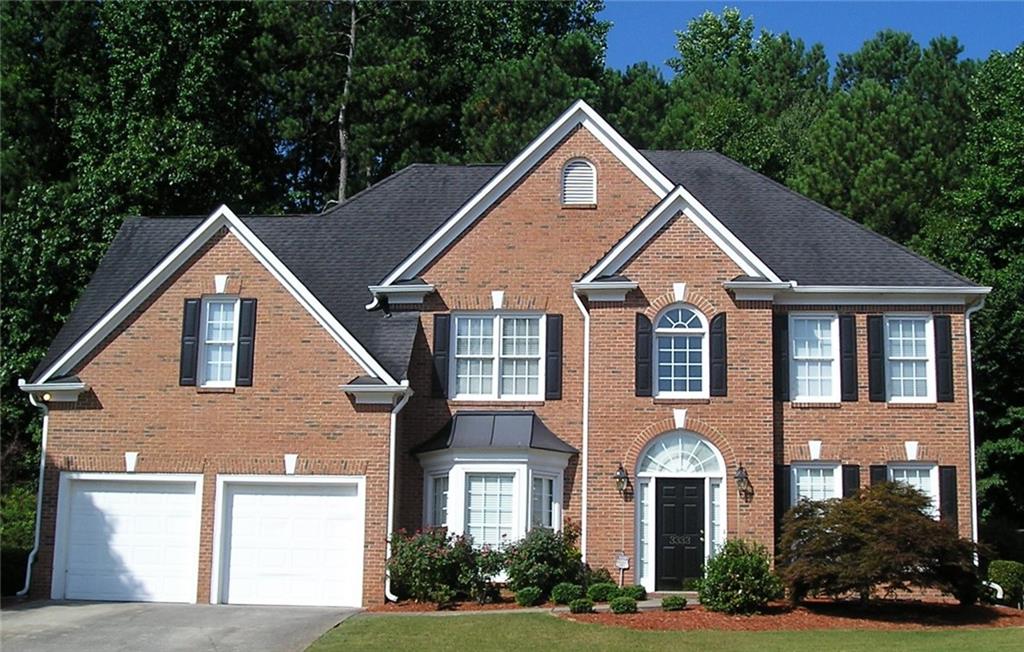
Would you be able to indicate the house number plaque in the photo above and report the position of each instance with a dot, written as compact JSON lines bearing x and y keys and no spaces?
{"x":680,"y":539}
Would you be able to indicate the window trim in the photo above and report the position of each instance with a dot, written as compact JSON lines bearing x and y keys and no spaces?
{"x":556,"y":503}
{"x":705,"y":352}
{"x":795,"y":467}
{"x":836,"y":395}
{"x":933,"y":472}
{"x":497,"y":316}
{"x":202,"y":381}
{"x":929,"y":350}
{"x":561,"y":180}
{"x":431,"y":518}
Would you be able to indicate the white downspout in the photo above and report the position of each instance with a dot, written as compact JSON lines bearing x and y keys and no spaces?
{"x":39,"y":496}
{"x":392,"y":446}
{"x":970,"y":415}
{"x":585,"y":455}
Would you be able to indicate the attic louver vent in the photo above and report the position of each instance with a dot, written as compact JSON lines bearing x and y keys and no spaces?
{"x":579,"y":183}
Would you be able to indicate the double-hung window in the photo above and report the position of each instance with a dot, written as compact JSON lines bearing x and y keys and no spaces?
{"x":439,"y":501}
{"x":923,"y":477}
{"x":498,"y":356}
{"x":816,"y":482}
{"x":489,"y":509}
{"x":681,"y":350}
{"x":219,"y":342}
{"x":909,"y":367}
{"x":542,"y":501}
{"x":814,"y":347}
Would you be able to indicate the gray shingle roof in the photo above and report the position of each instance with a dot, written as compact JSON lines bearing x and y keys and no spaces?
{"x":496,"y":429}
{"x":798,"y":238}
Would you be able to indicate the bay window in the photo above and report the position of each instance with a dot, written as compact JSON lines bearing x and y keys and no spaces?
{"x":489,"y":512}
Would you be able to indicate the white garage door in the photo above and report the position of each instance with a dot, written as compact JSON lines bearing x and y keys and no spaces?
{"x":131,"y":541}
{"x":293,"y":544}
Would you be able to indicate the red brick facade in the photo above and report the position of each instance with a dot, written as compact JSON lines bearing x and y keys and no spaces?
{"x":532,"y":248}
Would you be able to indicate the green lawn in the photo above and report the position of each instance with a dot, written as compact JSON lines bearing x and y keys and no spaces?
{"x":541,"y":632}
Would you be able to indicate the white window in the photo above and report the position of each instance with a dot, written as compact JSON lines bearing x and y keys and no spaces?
{"x":219,"y":339}
{"x":681,"y":351}
{"x":924,"y":478}
{"x":814,"y":368}
{"x":498,"y":356}
{"x":816,"y":482}
{"x":542,"y":499}
{"x":579,"y":183}
{"x":439,"y":501}
{"x":909,"y":343}
{"x":489,"y":510}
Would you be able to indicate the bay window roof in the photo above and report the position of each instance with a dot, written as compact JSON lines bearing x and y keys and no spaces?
{"x":479,"y":429}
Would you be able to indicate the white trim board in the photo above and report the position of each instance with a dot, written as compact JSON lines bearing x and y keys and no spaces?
{"x":63,"y":517}
{"x":222,"y":217}
{"x":580,"y":114}
{"x":679,"y":200}
{"x":216,"y":583}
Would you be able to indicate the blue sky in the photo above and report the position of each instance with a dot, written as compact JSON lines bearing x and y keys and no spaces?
{"x":645,"y":31}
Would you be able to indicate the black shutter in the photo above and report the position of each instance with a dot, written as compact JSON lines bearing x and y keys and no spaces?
{"x":848,"y":357}
{"x":246,"y":341}
{"x":876,"y":358}
{"x":851,"y":479}
{"x":783,"y":499}
{"x":943,"y":359}
{"x":948,"y":495}
{"x":879,"y":473}
{"x":189,"y":342}
{"x":442,"y":325}
{"x":644,"y":344}
{"x":780,"y":355}
{"x":719,"y":356}
{"x":553,"y":358}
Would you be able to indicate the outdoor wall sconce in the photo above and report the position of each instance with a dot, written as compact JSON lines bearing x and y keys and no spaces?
{"x":621,"y":479}
{"x":743,"y":486}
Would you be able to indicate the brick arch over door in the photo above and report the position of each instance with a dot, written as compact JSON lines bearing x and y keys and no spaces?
{"x":696,"y":299}
{"x":667,"y":425}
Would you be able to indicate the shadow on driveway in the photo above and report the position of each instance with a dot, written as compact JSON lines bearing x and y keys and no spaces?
{"x":44,"y":626}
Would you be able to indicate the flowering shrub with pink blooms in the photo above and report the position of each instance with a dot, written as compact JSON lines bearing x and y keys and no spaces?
{"x":544,"y":558}
{"x":434,"y":566}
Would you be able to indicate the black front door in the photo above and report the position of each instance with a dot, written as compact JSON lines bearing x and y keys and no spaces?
{"x":679,"y":532}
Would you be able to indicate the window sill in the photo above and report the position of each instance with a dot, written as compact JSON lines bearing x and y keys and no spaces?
{"x":911,"y":406}
{"x":215,"y":390}
{"x":811,"y":405}
{"x":493,"y":402}
{"x":668,"y":400}
{"x":579,"y":207}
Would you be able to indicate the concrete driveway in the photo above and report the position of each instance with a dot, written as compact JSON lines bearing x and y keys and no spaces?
{"x":154,"y":627}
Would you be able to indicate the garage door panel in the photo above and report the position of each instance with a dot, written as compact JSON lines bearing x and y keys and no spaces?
{"x":131,"y":540}
{"x":293,"y":544}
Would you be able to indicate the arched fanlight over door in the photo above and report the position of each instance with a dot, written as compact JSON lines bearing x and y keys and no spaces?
{"x":680,"y":452}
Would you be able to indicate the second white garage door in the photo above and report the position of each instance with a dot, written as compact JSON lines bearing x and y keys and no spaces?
{"x":293,"y":544}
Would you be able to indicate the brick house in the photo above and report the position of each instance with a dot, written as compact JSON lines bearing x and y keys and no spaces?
{"x":664,"y":347}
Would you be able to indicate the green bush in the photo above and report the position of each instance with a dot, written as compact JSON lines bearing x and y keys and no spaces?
{"x":739,"y":579}
{"x":528,"y":596}
{"x":673,"y":603}
{"x":623,"y":605}
{"x":433,"y":566}
{"x":566,"y":592}
{"x":18,"y":516}
{"x":593,"y":576}
{"x":603,"y":591}
{"x":544,"y":558}
{"x":1010,"y":576}
{"x":635,"y":591}
{"x":882,"y":539}
{"x":581,"y":606}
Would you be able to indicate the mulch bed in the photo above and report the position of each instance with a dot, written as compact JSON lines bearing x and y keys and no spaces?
{"x":506,"y":601}
{"x":904,"y":614}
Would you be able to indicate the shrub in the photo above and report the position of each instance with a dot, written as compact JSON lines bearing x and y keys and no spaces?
{"x":433,"y":566}
{"x":18,"y":516}
{"x":566,"y":592}
{"x":528,"y":596}
{"x":739,"y":579}
{"x":636,"y":592}
{"x":543,"y":558}
{"x":882,"y":539}
{"x":602,"y":592}
{"x":1010,"y":576}
{"x":593,"y":576}
{"x":581,"y":606}
{"x":623,"y":605}
{"x":673,"y":603}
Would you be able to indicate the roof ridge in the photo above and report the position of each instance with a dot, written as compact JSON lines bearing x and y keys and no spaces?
{"x":839,"y":215}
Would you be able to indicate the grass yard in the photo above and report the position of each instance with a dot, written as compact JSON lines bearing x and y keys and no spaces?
{"x":536,"y":632}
